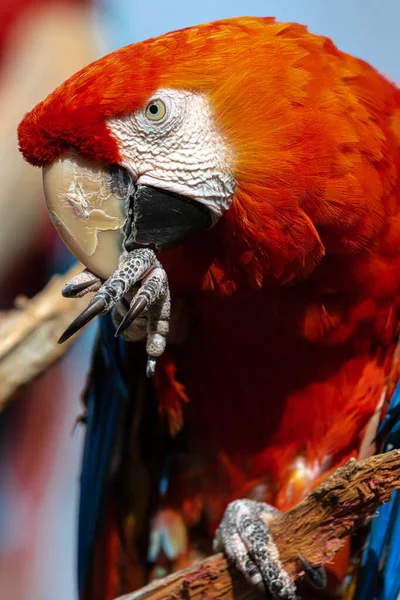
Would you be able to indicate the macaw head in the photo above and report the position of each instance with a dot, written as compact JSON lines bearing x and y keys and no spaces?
{"x":130,"y":155}
{"x":218,"y":123}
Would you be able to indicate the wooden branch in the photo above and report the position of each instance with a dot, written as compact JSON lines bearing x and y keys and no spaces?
{"x":29,"y":334}
{"x":316,"y":528}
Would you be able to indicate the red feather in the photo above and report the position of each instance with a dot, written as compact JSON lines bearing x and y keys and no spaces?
{"x":295,"y":292}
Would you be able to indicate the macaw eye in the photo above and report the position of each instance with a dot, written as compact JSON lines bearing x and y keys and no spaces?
{"x":155,"y":110}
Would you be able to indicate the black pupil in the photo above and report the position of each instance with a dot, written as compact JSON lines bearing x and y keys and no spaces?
{"x":153,"y":108}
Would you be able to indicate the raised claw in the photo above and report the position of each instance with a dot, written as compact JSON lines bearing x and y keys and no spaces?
{"x":140,"y":273}
{"x":81,"y":284}
{"x":71,"y":290}
{"x":97,"y":306}
{"x":316,"y":576}
{"x":139,"y":304}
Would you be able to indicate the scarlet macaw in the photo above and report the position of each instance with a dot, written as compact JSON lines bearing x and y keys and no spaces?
{"x":245,"y":173}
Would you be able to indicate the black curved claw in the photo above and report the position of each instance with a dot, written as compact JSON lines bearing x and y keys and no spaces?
{"x":316,"y":576}
{"x":137,"y":307}
{"x":70,"y":290}
{"x":95,"y":307}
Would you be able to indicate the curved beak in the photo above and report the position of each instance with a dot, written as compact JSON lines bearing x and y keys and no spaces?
{"x":88,"y":204}
{"x":98,"y":212}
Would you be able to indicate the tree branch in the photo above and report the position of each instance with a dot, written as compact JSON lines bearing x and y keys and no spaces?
{"x":316,"y":528}
{"x":29,"y":334}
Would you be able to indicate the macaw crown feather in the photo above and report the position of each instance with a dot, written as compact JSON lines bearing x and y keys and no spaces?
{"x":292,"y":109}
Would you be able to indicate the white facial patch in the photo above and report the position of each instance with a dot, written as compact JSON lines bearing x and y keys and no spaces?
{"x":182,"y":152}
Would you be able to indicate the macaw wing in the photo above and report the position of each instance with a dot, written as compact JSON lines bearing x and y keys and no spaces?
{"x":124,"y":456}
{"x":107,"y":400}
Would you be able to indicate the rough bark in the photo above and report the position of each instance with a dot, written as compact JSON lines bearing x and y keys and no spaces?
{"x":316,"y":528}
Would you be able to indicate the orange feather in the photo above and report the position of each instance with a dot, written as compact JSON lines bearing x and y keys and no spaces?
{"x":296,"y":290}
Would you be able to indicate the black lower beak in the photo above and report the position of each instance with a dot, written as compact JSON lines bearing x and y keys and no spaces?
{"x":160,"y":220}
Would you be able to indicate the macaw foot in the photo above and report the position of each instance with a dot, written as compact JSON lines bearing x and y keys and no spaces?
{"x":244,"y":537}
{"x":137,"y":291}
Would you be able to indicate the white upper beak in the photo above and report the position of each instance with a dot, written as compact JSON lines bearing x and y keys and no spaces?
{"x":88,"y":204}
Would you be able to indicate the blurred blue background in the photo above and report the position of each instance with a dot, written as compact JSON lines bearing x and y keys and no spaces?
{"x":366,"y":28}
{"x":41,"y":45}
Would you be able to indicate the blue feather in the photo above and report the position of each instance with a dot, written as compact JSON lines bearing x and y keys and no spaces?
{"x":380,"y":568}
{"x":107,"y":399}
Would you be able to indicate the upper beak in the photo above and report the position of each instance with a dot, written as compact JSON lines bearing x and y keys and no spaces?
{"x":98,"y":211}
{"x":88,"y":204}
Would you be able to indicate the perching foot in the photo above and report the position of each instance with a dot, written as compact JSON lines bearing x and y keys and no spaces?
{"x":244,"y":537}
